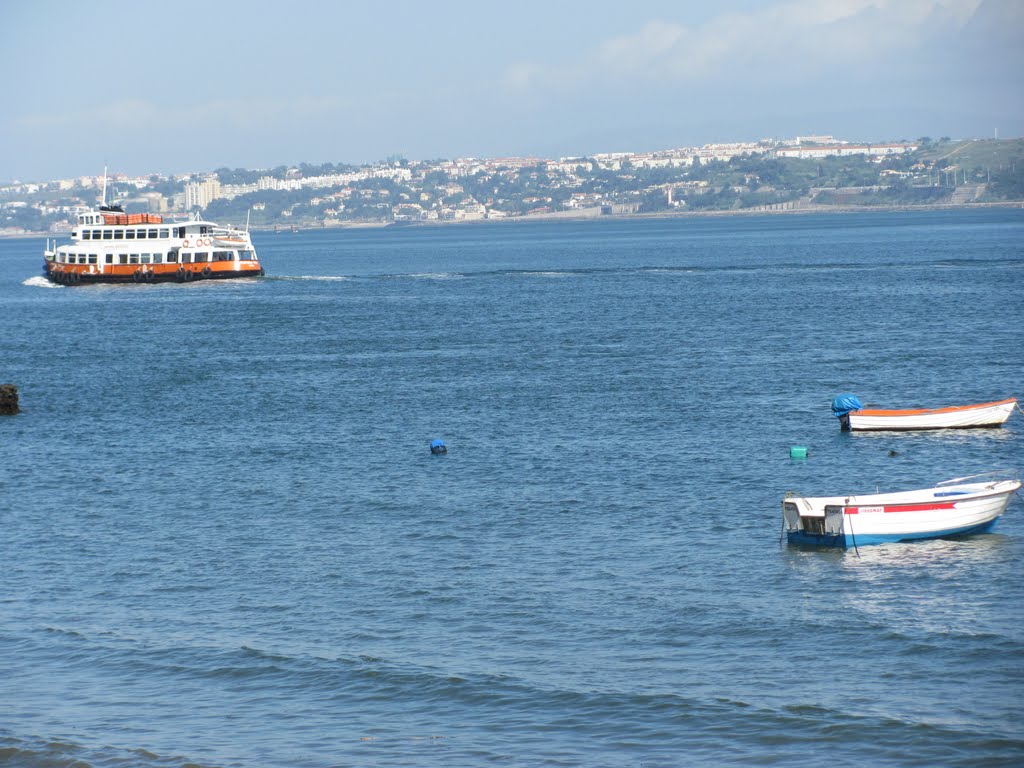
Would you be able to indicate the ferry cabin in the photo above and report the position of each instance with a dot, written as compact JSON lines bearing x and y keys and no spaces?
{"x":116,"y":247}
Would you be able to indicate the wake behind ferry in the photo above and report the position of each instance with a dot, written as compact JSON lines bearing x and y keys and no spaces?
{"x":111,"y":246}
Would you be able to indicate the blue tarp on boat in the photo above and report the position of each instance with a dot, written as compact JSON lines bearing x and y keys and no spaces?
{"x":843,"y":404}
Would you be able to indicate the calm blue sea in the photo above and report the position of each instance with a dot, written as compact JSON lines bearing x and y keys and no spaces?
{"x":225,"y":541}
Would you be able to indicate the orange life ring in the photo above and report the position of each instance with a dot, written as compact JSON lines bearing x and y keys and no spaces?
{"x":208,"y":242}
{"x":184,"y":243}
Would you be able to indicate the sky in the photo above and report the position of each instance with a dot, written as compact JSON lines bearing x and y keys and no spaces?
{"x":185,"y":85}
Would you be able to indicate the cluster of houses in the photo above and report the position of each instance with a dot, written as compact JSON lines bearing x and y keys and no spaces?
{"x":447,"y":203}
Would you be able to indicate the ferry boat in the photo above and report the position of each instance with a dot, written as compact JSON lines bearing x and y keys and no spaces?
{"x":111,"y":246}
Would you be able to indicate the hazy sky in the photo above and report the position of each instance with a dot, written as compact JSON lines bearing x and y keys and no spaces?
{"x":185,"y":85}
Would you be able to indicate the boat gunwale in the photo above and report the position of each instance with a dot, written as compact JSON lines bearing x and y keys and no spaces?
{"x":895,"y":412}
{"x":815,"y":505}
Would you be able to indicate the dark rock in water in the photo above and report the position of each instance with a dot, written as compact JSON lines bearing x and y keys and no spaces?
{"x":894,"y":453}
{"x":8,"y":400}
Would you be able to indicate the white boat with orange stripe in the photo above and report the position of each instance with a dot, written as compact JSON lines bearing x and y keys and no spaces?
{"x":854,"y":416}
{"x":110,"y":246}
{"x":952,"y":508}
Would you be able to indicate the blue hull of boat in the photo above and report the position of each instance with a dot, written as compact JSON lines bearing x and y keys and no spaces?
{"x":845,"y":541}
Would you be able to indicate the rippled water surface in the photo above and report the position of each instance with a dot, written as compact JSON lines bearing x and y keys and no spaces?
{"x":225,"y":541}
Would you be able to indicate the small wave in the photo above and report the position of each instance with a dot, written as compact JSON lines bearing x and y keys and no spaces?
{"x":320,"y":278}
{"x":434,"y":275}
{"x":38,"y":751}
{"x":40,"y":282}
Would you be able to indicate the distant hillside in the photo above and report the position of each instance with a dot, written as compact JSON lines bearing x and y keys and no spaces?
{"x":975,"y":154}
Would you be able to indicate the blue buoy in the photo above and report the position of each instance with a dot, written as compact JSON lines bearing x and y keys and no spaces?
{"x":438,"y":446}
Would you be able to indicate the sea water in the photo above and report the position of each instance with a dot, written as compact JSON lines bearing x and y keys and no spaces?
{"x":225,"y":541}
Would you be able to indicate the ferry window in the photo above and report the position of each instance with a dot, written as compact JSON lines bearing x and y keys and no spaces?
{"x":204,"y":256}
{"x":110,"y":258}
{"x":144,"y":259}
{"x":129,"y":234}
{"x":179,"y":231}
{"x":81,"y":258}
{"x":158,"y":258}
{"x":122,"y":258}
{"x":133,"y":258}
{"x":85,"y":234}
{"x":221,"y":256}
{"x":186,"y":258}
{"x":172,"y":257}
{"x":92,"y":258}
{"x":119,"y":234}
{"x":97,"y":234}
{"x":108,"y":234}
{"x":165,"y":233}
{"x":152,"y":234}
{"x":245,"y":255}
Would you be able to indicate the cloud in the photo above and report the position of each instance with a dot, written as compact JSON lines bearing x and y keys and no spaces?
{"x":783,"y":39}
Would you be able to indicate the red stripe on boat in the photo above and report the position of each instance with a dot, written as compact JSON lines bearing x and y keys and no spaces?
{"x":902,"y":508}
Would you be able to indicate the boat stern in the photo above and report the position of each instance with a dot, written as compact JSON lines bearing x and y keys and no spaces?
{"x":813,"y":524}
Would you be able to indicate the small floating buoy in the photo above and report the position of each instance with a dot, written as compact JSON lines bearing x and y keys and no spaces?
{"x":438,"y":446}
{"x":798,"y":452}
{"x":894,"y":453}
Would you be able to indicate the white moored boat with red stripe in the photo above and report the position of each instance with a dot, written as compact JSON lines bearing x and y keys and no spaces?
{"x":855,"y":417}
{"x":952,"y":508}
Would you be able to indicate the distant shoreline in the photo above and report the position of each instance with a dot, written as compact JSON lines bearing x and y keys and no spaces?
{"x":809,"y":210}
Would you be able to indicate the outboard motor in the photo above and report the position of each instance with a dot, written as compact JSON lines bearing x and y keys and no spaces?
{"x":842,"y":406}
{"x":438,"y":446}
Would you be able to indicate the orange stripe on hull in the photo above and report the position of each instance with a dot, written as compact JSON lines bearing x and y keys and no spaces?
{"x":926,"y":411}
{"x":145,"y":273}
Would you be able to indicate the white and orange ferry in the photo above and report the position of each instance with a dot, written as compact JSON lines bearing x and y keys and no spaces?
{"x":111,"y":246}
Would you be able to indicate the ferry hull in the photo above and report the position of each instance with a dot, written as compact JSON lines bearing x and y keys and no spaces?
{"x":172,"y":273}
